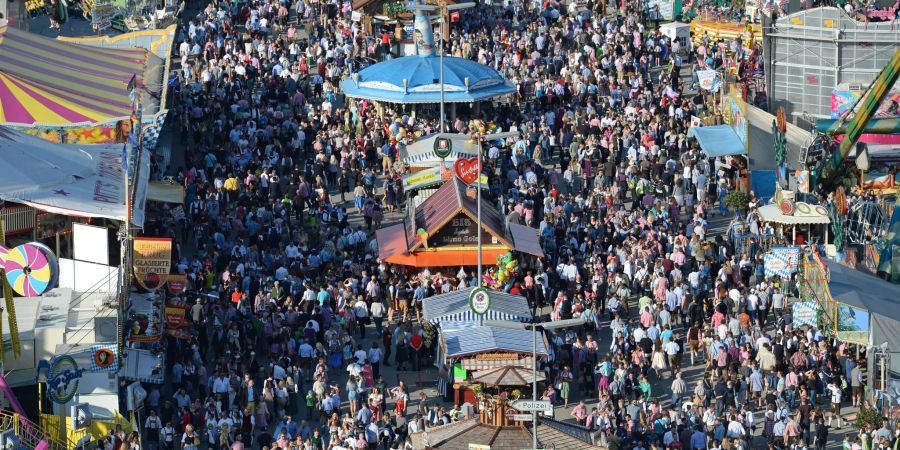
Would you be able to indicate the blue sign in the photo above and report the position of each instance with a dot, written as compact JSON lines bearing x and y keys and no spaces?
{"x":62,"y":378}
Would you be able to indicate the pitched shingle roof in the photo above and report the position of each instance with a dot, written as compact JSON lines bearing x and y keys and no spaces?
{"x":458,"y":436}
{"x":564,"y":436}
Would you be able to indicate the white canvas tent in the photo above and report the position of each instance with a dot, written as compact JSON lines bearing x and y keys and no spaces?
{"x":73,"y":180}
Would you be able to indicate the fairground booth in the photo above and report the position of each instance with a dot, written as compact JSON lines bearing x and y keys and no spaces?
{"x":856,"y":308}
{"x":801,"y":220}
{"x":480,"y":364}
{"x":442,"y":232}
{"x":727,"y":143}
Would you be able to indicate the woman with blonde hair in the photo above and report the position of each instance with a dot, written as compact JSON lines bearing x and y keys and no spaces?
{"x":190,"y":440}
{"x":281,"y":399}
{"x":352,"y":394}
{"x":225,"y":440}
{"x":658,"y":360}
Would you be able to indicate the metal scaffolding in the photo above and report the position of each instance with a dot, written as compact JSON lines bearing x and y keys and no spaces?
{"x":810,"y":52}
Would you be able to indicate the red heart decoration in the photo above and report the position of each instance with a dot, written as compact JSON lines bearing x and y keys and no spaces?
{"x":416,"y":341}
{"x":468,"y":170}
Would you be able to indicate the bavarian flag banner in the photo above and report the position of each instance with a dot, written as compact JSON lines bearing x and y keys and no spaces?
{"x":152,"y":261}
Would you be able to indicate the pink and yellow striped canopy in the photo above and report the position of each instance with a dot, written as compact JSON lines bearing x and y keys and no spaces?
{"x":47,"y":82}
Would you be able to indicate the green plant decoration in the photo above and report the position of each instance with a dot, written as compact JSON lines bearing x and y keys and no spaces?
{"x":428,"y":337}
{"x":737,"y":200}
{"x":868,"y":417}
{"x":394,"y":9}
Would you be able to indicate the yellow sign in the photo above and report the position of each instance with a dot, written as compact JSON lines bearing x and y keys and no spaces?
{"x":431,"y":177}
{"x":426,"y":178}
{"x":497,"y":357}
{"x":152,"y":261}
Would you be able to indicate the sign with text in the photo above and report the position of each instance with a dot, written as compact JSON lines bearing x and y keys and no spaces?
{"x":480,"y":300}
{"x":468,"y":170}
{"x":461,"y":230}
{"x":177,"y":284}
{"x":782,"y":261}
{"x":152,"y":261}
{"x":532,"y":405}
{"x":805,"y":313}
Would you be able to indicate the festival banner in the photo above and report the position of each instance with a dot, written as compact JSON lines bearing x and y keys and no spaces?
{"x":852,"y":324}
{"x":152,"y":261}
{"x":782,"y":261}
{"x":180,"y":333}
{"x":708,"y":80}
{"x":805,"y":313}
{"x":735,"y":114}
{"x":176,"y":314}
{"x":841,"y":101}
{"x":176,"y":284}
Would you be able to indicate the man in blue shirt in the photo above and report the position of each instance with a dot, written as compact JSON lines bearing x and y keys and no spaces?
{"x":364,"y":414}
{"x":698,"y":439}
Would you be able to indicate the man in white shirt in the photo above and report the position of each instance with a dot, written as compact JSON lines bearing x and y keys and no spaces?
{"x":414,"y":425}
{"x":360,"y":355}
{"x":354,"y":369}
{"x":361,"y":310}
{"x":221,"y":386}
{"x":672,"y":348}
{"x":152,"y":426}
{"x":735,"y":429}
{"x":376,"y":310}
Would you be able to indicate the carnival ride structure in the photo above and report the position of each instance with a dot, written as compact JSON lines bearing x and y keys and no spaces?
{"x":851,"y":126}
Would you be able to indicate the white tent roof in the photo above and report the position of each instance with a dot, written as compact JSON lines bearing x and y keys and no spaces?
{"x":772,"y":213}
{"x":74,"y":180}
{"x":39,"y":163}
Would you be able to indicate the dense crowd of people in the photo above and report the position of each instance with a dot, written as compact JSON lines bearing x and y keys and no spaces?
{"x":295,"y":318}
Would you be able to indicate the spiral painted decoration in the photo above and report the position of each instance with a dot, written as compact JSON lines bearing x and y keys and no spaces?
{"x":28,"y":270}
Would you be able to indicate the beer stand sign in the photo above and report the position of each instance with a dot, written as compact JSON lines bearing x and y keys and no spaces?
{"x":62,"y":378}
{"x":480,"y":301}
{"x":443,"y":147}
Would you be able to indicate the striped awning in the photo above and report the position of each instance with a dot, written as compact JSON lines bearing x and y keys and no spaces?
{"x":468,"y":319}
{"x":429,"y":156}
{"x":47,"y":82}
{"x":454,"y":307}
{"x":479,"y":342}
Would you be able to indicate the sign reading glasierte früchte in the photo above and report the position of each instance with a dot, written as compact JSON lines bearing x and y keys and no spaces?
{"x":152,"y":261}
